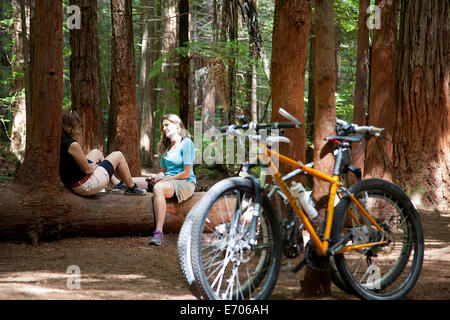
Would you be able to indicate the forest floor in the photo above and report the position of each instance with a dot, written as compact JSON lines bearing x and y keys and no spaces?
{"x":127,"y":268}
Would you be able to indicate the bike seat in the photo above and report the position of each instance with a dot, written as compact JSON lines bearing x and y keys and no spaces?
{"x":356,"y":138}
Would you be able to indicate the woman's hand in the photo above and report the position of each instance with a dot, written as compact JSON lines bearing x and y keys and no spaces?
{"x":156,"y":177}
{"x":92,"y":168}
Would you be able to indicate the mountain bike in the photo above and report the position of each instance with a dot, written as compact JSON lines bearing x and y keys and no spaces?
{"x":232,"y":241}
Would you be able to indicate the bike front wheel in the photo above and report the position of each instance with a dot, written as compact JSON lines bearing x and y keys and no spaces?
{"x":224,"y":263}
{"x":385,"y":271}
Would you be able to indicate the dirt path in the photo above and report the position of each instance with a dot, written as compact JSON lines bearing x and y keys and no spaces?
{"x":127,"y":268}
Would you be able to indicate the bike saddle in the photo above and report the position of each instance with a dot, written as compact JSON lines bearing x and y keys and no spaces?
{"x":356,"y":138}
{"x":330,"y":146}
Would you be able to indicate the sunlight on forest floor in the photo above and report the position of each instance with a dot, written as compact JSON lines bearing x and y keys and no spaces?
{"x":127,"y":268}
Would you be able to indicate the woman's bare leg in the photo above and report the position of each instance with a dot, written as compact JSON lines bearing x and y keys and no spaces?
{"x":141,"y":182}
{"x":96,"y":156}
{"x":161,"y":191}
{"x":121,"y":166}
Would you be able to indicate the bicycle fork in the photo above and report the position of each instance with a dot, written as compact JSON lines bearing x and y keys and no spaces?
{"x":256,"y":209}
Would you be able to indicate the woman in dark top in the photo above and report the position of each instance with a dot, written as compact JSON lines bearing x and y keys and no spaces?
{"x":88,"y":174}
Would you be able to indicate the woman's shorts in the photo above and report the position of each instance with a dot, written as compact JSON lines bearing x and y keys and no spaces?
{"x":183,"y":189}
{"x":97,"y":181}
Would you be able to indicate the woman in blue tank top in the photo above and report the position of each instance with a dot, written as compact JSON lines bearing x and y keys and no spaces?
{"x":176,"y":178}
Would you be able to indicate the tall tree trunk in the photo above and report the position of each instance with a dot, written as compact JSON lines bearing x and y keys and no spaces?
{"x":40,"y":166}
{"x":31,"y":63}
{"x":254,"y":94}
{"x":156,"y":53}
{"x":169,"y":72}
{"x":205,"y":84}
{"x":123,"y":134}
{"x":289,"y":50}
{"x":186,"y":112}
{"x":255,"y":45}
{"x":362,"y":69}
{"x":230,"y":24}
{"x":208,"y":100}
{"x":309,"y":125}
{"x":251,"y":81}
{"x":422,"y":141}
{"x":20,"y":84}
{"x":337,"y":54}
{"x":382,"y":107}
{"x":146,"y":85}
{"x":318,"y":282}
{"x":85,"y":76}
{"x":324,"y":87}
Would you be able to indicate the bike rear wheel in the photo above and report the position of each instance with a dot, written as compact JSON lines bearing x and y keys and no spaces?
{"x":386,"y":271}
{"x":224,"y":264}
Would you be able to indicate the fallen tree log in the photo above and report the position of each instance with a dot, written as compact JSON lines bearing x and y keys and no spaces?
{"x":59,"y":213}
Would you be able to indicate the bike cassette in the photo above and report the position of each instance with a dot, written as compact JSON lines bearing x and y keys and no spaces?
{"x":316,"y":262}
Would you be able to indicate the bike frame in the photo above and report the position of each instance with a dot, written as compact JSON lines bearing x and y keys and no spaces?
{"x":322,"y":245}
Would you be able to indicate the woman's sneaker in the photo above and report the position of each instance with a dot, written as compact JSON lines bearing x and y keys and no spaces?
{"x":134,"y":191}
{"x":157,"y":238}
{"x":120,"y":187}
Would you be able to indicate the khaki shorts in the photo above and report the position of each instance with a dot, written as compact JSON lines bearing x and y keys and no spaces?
{"x":183,"y":189}
{"x":97,"y":181}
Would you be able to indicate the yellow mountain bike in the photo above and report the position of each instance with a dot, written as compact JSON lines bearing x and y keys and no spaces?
{"x":232,"y":241}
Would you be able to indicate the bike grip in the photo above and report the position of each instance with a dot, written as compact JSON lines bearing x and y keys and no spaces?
{"x":286,"y":125}
{"x":341,"y":122}
{"x":375,"y":130}
{"x":223,"y":128}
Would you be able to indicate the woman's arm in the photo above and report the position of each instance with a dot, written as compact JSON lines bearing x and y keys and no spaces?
{"x":186,"y":173}
{"x":78,"y":155}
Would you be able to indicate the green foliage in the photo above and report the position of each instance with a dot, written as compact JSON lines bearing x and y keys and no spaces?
{"x":346,"y":14}
{"x":346,"y":17}
{"x":10,"y":164}
{"x":344,"y":101}
{"x":237,"y":54}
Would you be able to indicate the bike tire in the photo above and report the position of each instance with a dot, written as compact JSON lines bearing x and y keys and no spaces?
{"x":262,"y":272}
{"x":184,"y":251}
{"x":336,"y":277}
{"x":392,"y":207}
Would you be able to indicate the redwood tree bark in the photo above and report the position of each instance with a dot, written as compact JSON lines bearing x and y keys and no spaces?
{"x":309,"y":126}
{"x":85,"y":76}
{"x":40,"y":166}
{"x":146,"y":101}
{"x":382,"y":107}
{"x":19,"y":84}
{"x":186,"y":112}
{"x":324,"y":87}
{"x":362,"y":68}
{"x":123,"y":134}
{"x":421,"y":155}
{"x":318,"y":282}
{"x":289,"y":50}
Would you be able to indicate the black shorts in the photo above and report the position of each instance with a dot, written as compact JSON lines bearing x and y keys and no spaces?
{"x":108,"y":166}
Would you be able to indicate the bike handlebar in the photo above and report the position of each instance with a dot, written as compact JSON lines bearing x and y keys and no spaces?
{"x":354,"y":128}
{"x":258,"y":126}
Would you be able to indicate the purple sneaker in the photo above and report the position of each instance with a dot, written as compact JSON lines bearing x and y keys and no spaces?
{"x":157,"y":238}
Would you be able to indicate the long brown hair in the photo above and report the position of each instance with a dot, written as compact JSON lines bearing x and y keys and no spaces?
{"x":70,"y":123}
{"x":164,"y":143}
